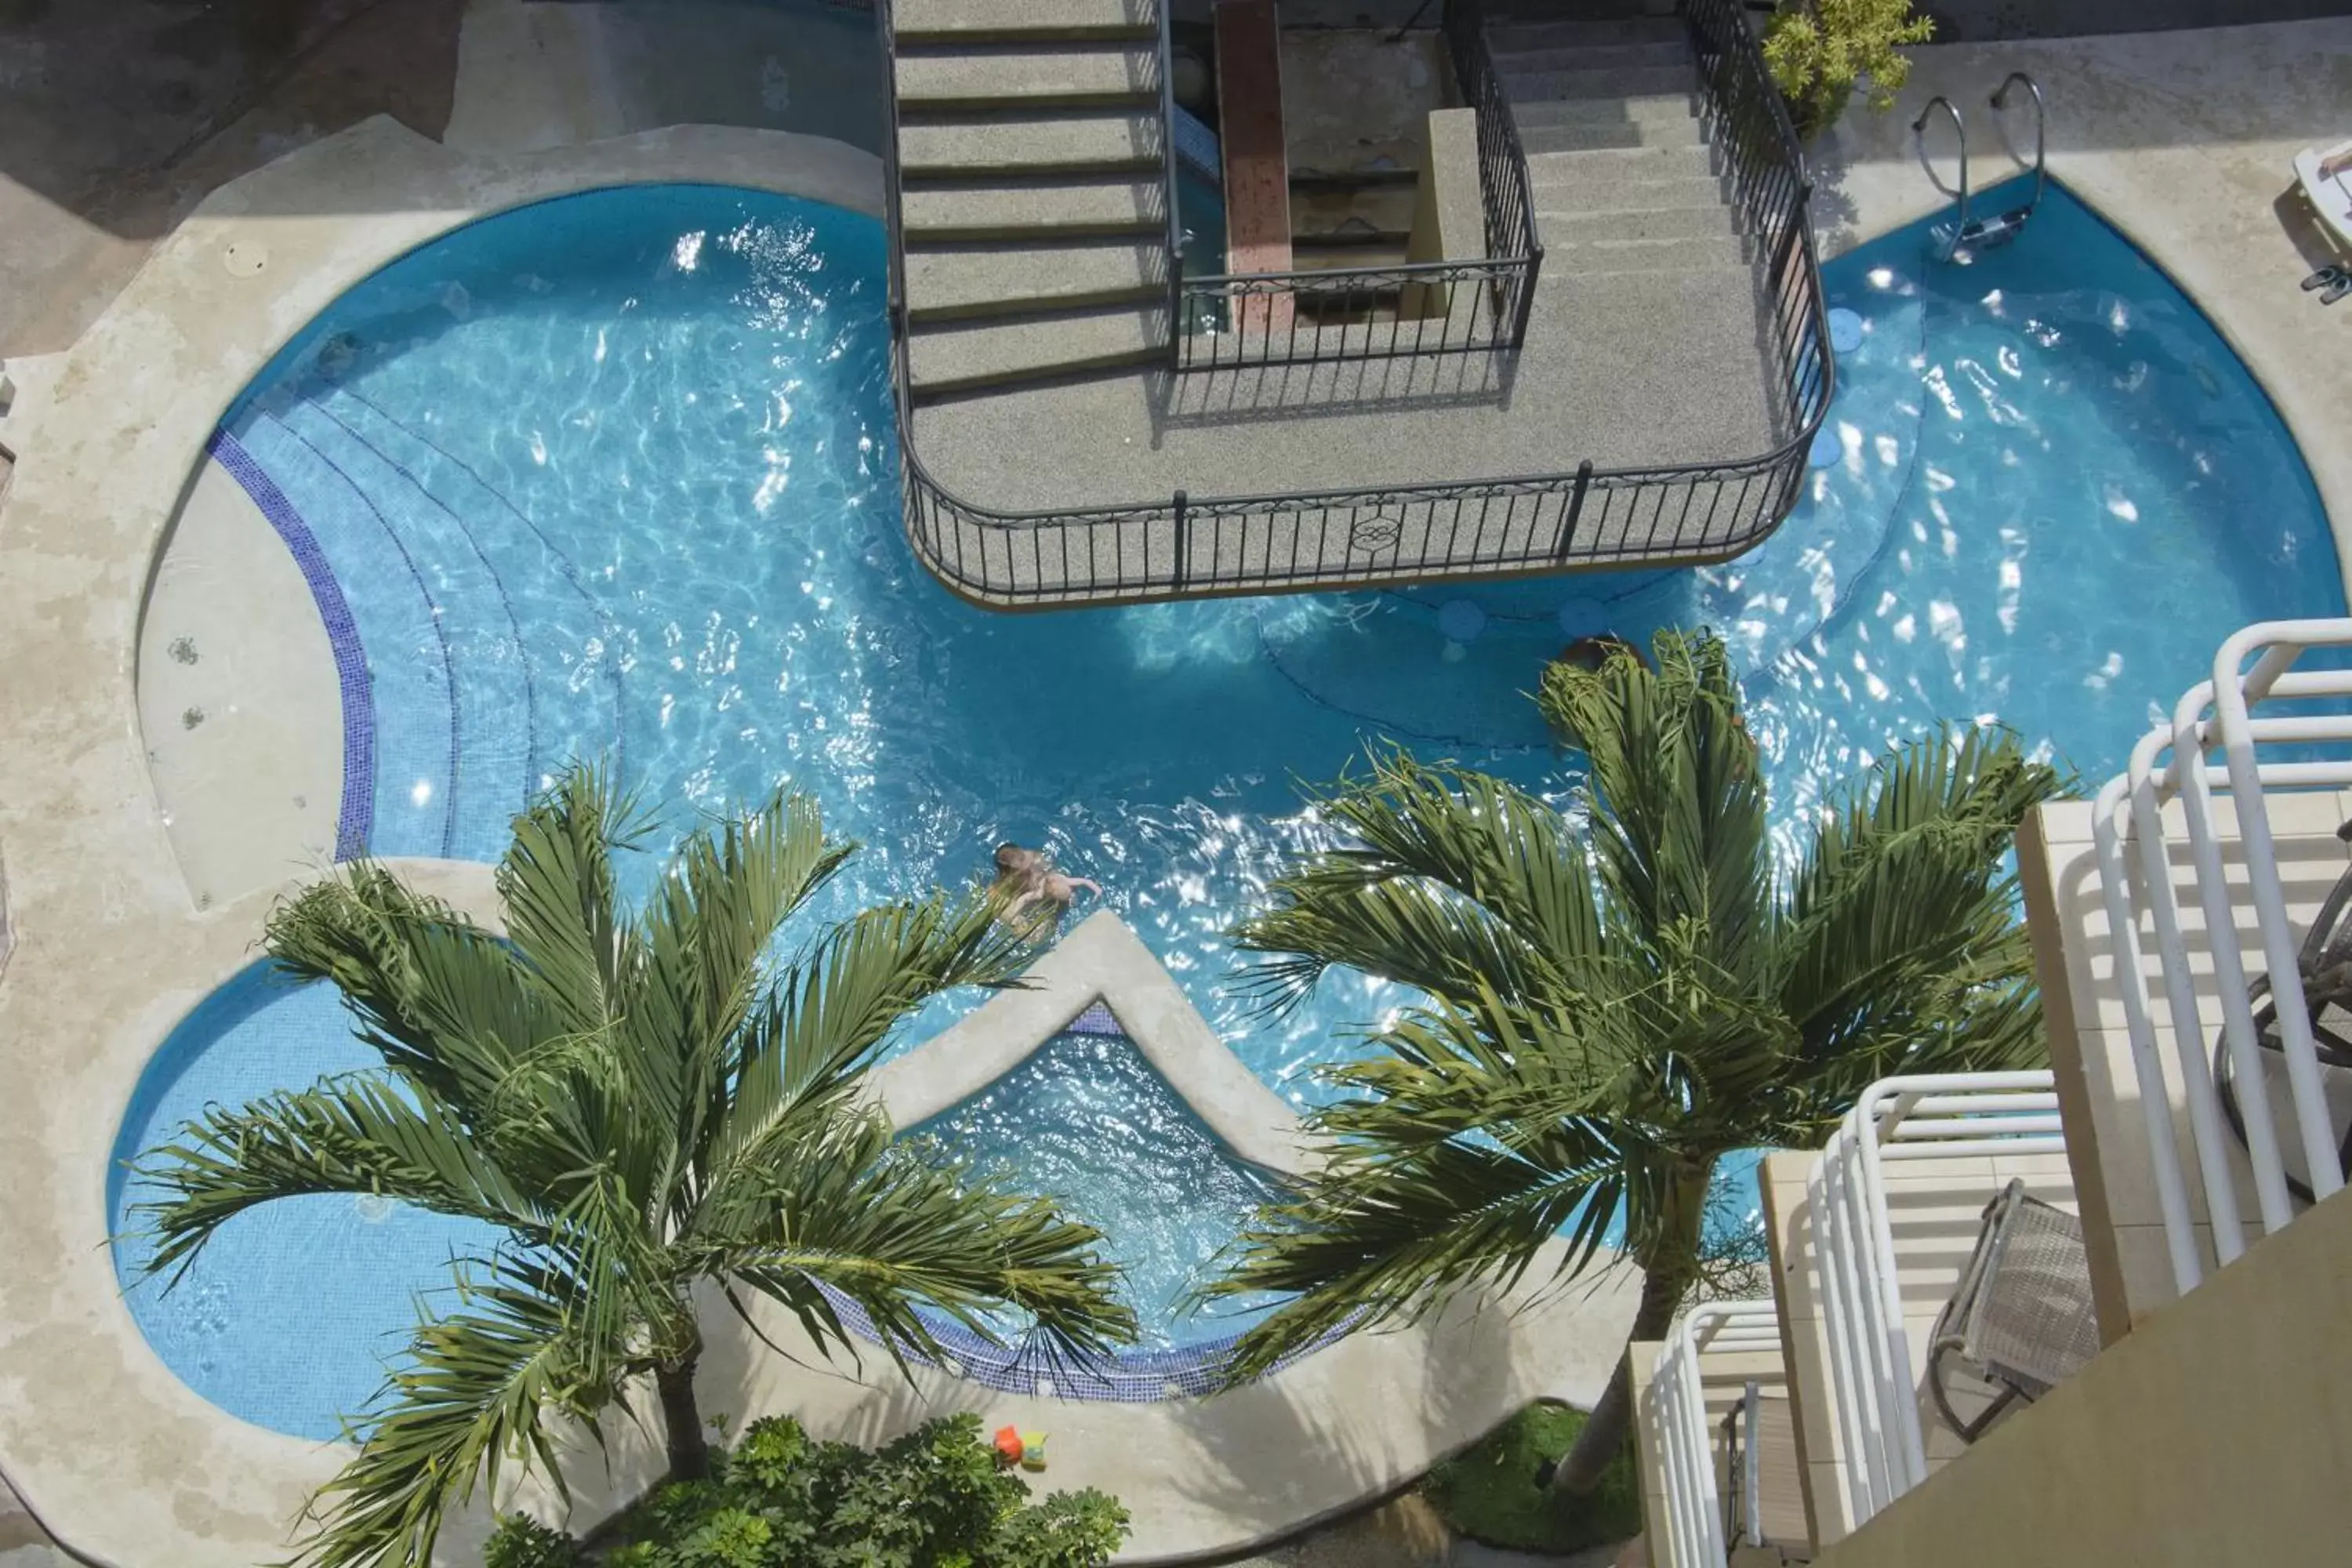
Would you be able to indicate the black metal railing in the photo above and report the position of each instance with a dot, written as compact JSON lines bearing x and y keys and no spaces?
{"x":1315,"y":315}
{"x":1183,"y":546}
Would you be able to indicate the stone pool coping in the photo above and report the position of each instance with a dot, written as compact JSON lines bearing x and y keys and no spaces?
{"x":118,"y":1459}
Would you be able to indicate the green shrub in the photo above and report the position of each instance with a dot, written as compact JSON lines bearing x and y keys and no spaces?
{"x":520,"y":1541}
{"x":1490,"y":1491}
{"x":932,"y":1499}
{"x":1819,"y":49}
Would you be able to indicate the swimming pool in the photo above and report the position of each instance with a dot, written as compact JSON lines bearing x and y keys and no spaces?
{"x":616,"y":473}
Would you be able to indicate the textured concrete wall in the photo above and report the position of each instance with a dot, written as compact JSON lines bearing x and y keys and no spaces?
{"x":2219,"y":1431}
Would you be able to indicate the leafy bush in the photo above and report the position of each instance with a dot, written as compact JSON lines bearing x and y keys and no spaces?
{"x":520,"y":1541}
{"x":932,"y":1499}
{"x":1491,"y":1492}
{"x":1818,"y":50}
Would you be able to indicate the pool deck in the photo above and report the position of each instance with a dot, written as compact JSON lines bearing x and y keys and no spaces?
{"x":2182,"y":139}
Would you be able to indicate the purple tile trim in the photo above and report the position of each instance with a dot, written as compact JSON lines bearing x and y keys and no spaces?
{"x":1122,"y":1377}
{"x":1097,"y":1019}
{"x":356,"y":820}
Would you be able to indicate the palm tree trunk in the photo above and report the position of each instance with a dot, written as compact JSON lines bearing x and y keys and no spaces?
{"x":1665,"y":1280}
{"x":689,"y":1449}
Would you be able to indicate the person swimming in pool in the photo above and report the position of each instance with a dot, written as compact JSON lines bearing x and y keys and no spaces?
{"x":1034,"y":894}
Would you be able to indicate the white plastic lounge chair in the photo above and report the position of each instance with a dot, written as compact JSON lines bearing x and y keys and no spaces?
{"x":2325,"y":175}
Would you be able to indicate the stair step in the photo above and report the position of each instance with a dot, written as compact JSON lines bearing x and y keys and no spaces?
{"x":966,"y":283}
{"x":992,"y":78}
{"x":1343,"y":258}
{"x":1383,"y":210}
{"x":1545,"y":86}
{"x":1597,"y":258}
{"x":1672,"y":55}
{"x":1009,"y":209}
{"x":963,"y":358}
{"x":1698,"y":193}
{"x":1622,"y":166}
{"x":1082,"y":141}
{"x":1512,"y":38}
{"x":1573,"y":225}
{"x":965,"y":21}
{"x":1633,"y":122}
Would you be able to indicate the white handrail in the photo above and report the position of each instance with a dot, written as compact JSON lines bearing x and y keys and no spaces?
{"x":1677,"y":1414}
{"x":1872,"y":1384}
{"x":2171,"y":764}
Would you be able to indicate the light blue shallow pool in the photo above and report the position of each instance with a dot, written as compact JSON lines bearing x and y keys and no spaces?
{"x":616,"y":474}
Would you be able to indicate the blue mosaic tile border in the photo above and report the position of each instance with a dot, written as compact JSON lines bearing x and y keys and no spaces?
{"x":1122,"y":1377}
{"x":1098,"y":1019}
{"x":356,"y":820}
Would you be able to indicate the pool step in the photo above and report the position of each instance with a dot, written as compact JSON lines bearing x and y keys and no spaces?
{"x":494,"y":761}
{"x":399,"y":633}
{"x":572,"y":643}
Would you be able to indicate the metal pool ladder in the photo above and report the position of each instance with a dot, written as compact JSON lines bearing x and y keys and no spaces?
{"x":1964,"y":237}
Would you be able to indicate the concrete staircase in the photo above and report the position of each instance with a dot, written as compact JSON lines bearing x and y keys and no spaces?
{"x":1035,"y":206}
{"x":1625,"y":184}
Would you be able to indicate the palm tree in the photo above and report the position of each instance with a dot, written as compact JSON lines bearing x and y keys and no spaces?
{"x":642,"y":1102}
{"x":1617,"y":998}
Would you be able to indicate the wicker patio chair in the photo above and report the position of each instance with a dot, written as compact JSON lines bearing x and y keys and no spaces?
{"x":2326,"y":963}
{"x":2020,"y":1321}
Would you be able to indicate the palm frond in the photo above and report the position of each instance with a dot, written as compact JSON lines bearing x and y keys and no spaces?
{"x":830,"y":1013}
{"x":563,"y":907}
{"x":846,"y":1211}
{"x":351,"y":1135}
{"x":1901,"y":914}
{"x":478,"y":1391}
{"x":711,"y":934}
{"x":1675,"y":792}
{"x":1382,"y":1243}
{"x":436,"y":996}
{"x":1447,"y":875}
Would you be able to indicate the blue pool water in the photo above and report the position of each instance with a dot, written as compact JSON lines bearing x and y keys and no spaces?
{"x":289,"y":1315}
{"x":616,"y":474}
{"x":1044,"y":1127}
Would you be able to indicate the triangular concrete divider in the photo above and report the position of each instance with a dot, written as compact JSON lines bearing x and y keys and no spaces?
{"x":1101,"y":960}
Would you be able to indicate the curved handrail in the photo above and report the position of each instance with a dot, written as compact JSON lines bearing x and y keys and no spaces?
{"x":1142,"y":550}
{"x":1919,"y":131}
{"x":2040,"y":142}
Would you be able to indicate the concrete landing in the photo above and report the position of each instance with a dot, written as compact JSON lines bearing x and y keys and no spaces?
{"x":1625,"y":368}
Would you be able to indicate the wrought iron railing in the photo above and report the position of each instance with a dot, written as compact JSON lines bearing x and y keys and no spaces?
{"x":1314,"y":315}
{"x":1184,"y":546}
